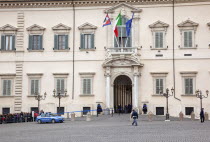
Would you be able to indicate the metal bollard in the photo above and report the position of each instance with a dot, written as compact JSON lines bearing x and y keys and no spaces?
{"x":88,"y":117}
{"x":72,"y":116}
{"x":181,"y":116}
{"x":206,"y":116}
{"x":192,"y":116}
{"x":150,"y":116}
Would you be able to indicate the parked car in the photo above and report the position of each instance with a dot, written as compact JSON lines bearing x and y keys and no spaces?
{"x":49,"y":118}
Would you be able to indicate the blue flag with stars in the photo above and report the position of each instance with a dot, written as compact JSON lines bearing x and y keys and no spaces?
{"x":128,"y":26}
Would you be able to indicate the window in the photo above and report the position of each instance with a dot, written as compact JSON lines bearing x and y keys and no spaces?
{"x":61,"y":111}
{"x":188,"y":38}
{"x":61,"y":42}
{"x":87,"y":41}
{"x":60,"y":85}
{"x":35,"y":109}
{"x":159,"y":110}
{"x":86,"y":110}
{"x":7,"y":42}
{"x":5,"y":110}
{"x":159,"y":39}
{"x":35,"y":42}
{"x":35,"y":86}
{"x":7,"y":87}
{"x":122,"y":40}
{"x":189,"y":110}
{"x":188,"y":84}
{"x":159,"y":85}
{"x":86,"y":85}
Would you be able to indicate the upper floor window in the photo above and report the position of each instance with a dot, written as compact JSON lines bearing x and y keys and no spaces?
{"x":159,"y":30}
{"x":60,"y":82}
{"x":159,"y":82}
{"x":123,"y":40}
{"x":35,"y":37}
{"x":35,"y":89}
{"x":6,"y":87}
{"x":87,"y":83}
{"x":188,"y":30}
{"x":87,"y":36}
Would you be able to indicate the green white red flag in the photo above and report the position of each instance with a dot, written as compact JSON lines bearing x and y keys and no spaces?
{"x":118,"y":22}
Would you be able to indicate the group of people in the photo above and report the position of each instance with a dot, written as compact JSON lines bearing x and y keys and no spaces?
{"x":17,"y":117}
{"x":126,"y":109}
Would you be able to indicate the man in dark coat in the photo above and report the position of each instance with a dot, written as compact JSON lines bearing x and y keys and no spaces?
{"x":202,"y":115}
{"x":99,"y":109}
{"x":119,"y":109}
{"x":145,"y":109}
{"x":134,"y":115}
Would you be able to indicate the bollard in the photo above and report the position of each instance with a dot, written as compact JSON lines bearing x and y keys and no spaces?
{"x":181,"y":116}
{"x":72,"y":116}
{"x":206,"y":116}
{"x":192,"y":116}
{"x":67,"y":115}
{"x":88,"y":117}
{"x":150,"y":116}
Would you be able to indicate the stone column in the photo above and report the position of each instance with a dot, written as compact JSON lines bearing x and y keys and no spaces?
{"x":108,"y":87}
{"x":136,"y":88}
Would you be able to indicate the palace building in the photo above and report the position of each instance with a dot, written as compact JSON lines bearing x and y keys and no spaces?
{"x":62,"y":48}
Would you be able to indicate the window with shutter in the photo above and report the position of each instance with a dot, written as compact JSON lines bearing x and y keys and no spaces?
{"x":7,"y":87}
{"x":188,"y":86}
{"x":158,"y":39}
{"x":35,"y":87}
{"x":188,"y":39}
{"x":8,"y":42}
{"x":60,"y":85}
{"x":61,"y":42}
{"x":88,"y":41}
{"x":159,"y":85}
{"x":35,"y":42}
{"x":86,"y":86}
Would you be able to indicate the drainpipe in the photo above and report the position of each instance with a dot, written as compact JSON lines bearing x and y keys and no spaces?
{"x":73,"y":48}
{"x":174,"y":73}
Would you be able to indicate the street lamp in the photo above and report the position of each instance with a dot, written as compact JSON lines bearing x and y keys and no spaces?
{"x":39,"y":98}
{"x":57,"y":94}
{"x":167,"y":95}
{"x":199,"y":95}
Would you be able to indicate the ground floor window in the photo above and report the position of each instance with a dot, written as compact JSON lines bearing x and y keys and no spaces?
{"x":35,"y":109}
{"x":86,"y":110}
{"x":189,"y":110}
{"x":61,"y":111}
{"x":5,"y":110}
{"x":159,"y":110}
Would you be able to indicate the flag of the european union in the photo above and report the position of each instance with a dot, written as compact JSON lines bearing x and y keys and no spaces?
{"x":128,"y":26}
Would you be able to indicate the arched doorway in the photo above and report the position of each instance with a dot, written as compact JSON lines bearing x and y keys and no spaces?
{"x":122,"y":92}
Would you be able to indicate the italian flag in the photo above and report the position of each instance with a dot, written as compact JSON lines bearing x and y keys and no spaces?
{"x":118,"y":22}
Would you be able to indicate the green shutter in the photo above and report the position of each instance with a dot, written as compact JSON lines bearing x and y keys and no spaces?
{"x":4,"y":87}
{"x":157,"y":37}
{"x":9,"y":87}
{"x":161,"y":85}
{"x":187,"y":86}
{"x":30,"y":42}
{"x":185,"y":39}
{"x":55,"y":42}
{"x":191,"y":86}
{"x":58,"y":85}
{"x":92,"y":41}
{"x":84,"y":86}
{"x":62,"y":86}
{"x":161,"y":40}
{"x":157,"y":86}
{"x":32,"y":88}
{"x":40,"y":42}
{"x":13,"y":42}
{"x":88,"y":86}
{"x":36,"y":86}
{"x":190,"y":38}
{"x":82,"y":41}
{"x":66,"y":41}
{"x":2,"y":42}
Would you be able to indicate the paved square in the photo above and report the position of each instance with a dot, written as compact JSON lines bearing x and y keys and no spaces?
{"x":107,"y":129}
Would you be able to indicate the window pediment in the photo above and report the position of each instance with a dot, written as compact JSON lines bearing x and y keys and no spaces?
{"x":61,"y":27}
{"x":8,"y":27}
{"x":36,"y":29}
{"x":188,"y":24}
{"x":87,"y":26}
{"x":113,"y":8}
{"x":159,"y":26}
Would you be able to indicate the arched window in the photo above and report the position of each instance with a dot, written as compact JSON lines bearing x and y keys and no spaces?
{"x":122,"y":40}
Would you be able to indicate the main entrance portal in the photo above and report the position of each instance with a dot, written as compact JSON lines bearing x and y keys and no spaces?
{"x":122,"y":92}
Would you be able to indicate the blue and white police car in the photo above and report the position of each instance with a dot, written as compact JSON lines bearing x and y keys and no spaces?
{"x":49,"y":118}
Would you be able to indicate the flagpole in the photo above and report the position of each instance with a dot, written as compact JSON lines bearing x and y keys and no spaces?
{"x":116,"y":40}
{"x":126,"y":42}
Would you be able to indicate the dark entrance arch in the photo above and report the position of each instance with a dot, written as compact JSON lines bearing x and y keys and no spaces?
{"x":122,"y":92}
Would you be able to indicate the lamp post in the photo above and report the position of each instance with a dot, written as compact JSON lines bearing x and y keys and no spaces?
{"x":167,"y":95}
{"x":39,"y":98}
{"x":200,"y":96}
{"x":57,"y":94}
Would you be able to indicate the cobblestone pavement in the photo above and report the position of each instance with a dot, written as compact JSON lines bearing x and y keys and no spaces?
{"x":107,"y":129}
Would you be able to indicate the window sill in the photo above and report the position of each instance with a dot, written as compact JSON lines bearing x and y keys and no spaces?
{"x":159,"y":48}
{"x":86,"y":95}
{"x":8,"y":51}
{"x":87,"y":49}
{"x":187,"y":48}
{"x":61,"y":50}
{"x":7,"y":96}
{"x":40,"y":50}
{"x":157,"y":95}
{"x":31,"y":96}
{"x":188,"y":95}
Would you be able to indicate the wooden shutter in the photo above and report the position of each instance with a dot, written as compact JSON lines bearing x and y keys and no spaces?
{"x":66,"y":41}
{"x":157,"y":86}
{"x":191,"y":86}
{"x":55,"y":42}
{"x":62,"y":86}
{"x":82,"y":41}
{"x":157,"y":40}
{"x":13,"y":42}
{"x":30,"y":42}
{"x":88,"y":86}
{"x":4,"y":87}
{"x":186,"y":86}
{"x":2,"y":42}
{"x":92,"y":41}
{"x":190,"y":38}
{"x":36,"y":86}
{"x":161,"y":85}
{"x":161,"y":40}
{"x":40,"y":42}
{"x":58,"y":85}
{"x":32,"y":87}
{"x":186,"y":39}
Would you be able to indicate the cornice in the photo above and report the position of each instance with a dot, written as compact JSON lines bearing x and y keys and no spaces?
{"x":82,"y":3}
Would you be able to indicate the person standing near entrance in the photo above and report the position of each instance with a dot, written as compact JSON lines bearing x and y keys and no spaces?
{"x":99,"y":109}
{"x":119,"y":109}
{"x":134,"y":115}
{"x":202,"y":115}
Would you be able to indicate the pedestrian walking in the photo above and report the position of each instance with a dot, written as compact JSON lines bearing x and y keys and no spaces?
{"x":202,"y":115}
{"x":134,"y":115}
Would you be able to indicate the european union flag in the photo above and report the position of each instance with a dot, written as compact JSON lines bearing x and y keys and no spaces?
{"x":128,"y":26}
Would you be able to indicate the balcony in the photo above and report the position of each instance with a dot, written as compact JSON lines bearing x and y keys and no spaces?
{"x":122,"y":50}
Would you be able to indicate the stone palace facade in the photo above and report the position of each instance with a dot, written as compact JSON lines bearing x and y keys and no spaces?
{"x":52,"y":45}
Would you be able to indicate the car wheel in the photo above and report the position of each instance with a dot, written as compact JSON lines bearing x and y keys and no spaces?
{"x":39,"y":121}
{"x":61,"y":121}
{"x":53,"y":121}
